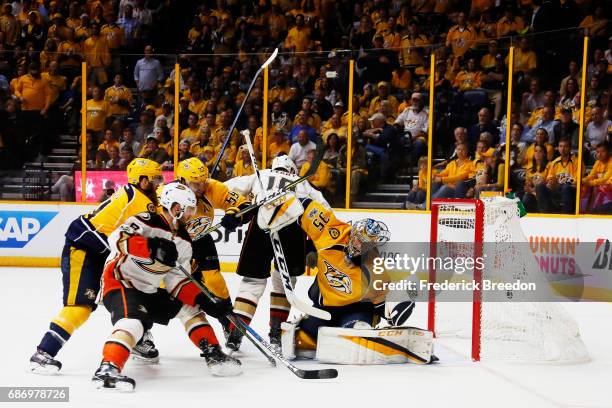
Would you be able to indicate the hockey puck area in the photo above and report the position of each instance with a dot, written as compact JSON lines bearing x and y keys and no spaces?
{"x":29,"y":297}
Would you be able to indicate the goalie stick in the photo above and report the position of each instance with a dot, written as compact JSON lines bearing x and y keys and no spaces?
{"x":279,"y":255}
{"x":260,"y":343}
{"x":246,"y":97}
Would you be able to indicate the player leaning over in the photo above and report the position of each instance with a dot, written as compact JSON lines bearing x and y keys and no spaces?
{"x":145,"y":252}
{"x":210,"y":194}
{"x":256,"y":253}
{"x":344,"y":287}
{"x":83,"y":256}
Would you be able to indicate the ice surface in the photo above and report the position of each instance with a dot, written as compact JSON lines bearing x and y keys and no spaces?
{"x":30,"y":297}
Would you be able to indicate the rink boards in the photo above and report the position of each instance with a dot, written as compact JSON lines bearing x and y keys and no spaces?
{"x":32,"y":235}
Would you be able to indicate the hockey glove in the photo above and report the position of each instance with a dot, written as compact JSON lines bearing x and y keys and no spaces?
{"x":230,"y":221}
{"x":163,"y":251}
{"x":217,"y":308}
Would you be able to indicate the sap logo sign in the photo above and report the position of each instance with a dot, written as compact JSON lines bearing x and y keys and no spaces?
{"x":17,"y":228}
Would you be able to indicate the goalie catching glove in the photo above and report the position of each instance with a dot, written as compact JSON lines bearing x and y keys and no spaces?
{"x":163,"y":251}
{"x":396,"y":313}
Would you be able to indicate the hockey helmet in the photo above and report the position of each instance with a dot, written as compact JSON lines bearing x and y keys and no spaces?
{"x":177,"y":193}
{"x":285,"y":163}
{"x":366,"y":231}
{"x":144,"y":168}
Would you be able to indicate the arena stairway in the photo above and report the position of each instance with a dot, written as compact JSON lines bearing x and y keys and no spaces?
{"x":34,"y":180}
{"x":385,"y":196}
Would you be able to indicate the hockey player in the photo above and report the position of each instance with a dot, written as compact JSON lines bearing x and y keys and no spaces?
{"x":82,"y":261}
{"x":146,"y":250}
{"x":210,"y":194}
{"x":256,"y":253}
{"x":344,"y":287}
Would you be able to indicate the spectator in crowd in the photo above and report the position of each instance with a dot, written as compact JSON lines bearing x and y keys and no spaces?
{"x":145,"y":126}
{"x":118,"y":98}
{"x":203,"y":141}
{"x":532,"y":99}
{"x":34,"y":95}
{"x":193,"y":130}
{"x":542,"y":139}
{"x":383,"y":142}
{"x":97,"y":56}
{"x":321,"y":179}
{"x":547,"y":122}
{"x":457,"y":170}
{"x":302,"y":125}
{"x":536,"y":173}
{"x":153,"y":151}
{"x":461,"y":37}
{"x":97,"y":112}
{"x":126,"y":155}
{"x":298,"y":150}
{"x":416,"y":197}
{"x":332,"y":150}
{"x":109,"y":141}
{"x":148,"y":73}
{"x":244,"y":166}
{"x":559,"y":190}
{"x":278,"y":145}
{"x":113,"y":157}
{"x":414,"y":122}
{"x":597,"y":131}
{"x":566,"y":128}
{"x":485,"y":124}
{"x":597,"y":185}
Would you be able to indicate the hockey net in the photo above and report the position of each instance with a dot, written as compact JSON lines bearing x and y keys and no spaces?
{"x":506,"y":328}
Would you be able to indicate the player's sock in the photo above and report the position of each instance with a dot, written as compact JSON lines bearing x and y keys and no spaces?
{"x":54,"y":339}
{"x":69,"y":319}
{"x":245,"y":306}
{"x":121,"y":342}
{"x":279,"y":312}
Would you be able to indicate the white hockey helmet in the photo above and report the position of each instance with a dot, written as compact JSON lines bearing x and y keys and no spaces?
{"x":177,"y":193}
{"x":285,"y":163}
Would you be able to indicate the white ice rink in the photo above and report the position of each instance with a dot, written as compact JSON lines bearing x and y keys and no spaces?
{"x":30,"y":297}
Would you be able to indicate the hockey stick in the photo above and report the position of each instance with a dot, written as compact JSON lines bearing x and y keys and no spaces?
{"x":246,"y":97}
{"x":279,"y":255}
{"x":277,"y":195}
{"x":260,"y":343}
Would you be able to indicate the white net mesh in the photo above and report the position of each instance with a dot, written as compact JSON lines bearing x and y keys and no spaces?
{"x":511,"y":328}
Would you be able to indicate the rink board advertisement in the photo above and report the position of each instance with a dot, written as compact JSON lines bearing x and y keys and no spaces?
{"x":33,"y":235}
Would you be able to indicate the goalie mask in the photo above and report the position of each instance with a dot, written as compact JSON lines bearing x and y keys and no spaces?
{"x":366,"y":231}
{"x":284,"y":163}
{"x":177,"y":193}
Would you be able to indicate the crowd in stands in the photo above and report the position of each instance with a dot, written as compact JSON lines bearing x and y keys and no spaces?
{"x":131,"y":46}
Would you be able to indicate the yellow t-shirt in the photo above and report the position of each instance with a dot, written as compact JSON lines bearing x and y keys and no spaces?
{"x":97,"y":112}
{"x":122,"y":93}
{"x":600,"y":174}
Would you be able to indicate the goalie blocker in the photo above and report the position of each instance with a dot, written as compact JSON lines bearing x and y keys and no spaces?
{"x":362,"y":345}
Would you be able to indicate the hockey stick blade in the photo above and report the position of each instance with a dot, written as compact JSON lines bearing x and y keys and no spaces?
{"x":270,"y":59}
{"x":323,"y":374}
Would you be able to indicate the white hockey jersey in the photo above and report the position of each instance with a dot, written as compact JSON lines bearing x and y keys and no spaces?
{"x":129,"y":263}
{"x":274,"y":180}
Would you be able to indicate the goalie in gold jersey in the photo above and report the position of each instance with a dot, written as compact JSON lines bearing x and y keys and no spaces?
{"x":84,"y":254}
{"x":344,"y":287}
{"x":211,"y":194}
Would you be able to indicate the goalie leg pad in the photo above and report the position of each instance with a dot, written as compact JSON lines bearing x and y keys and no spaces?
{"x":391,"y":345}
{"x":295,"y":342}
